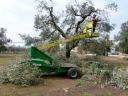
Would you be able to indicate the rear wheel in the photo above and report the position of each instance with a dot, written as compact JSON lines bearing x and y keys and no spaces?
{"x":73,"y":73}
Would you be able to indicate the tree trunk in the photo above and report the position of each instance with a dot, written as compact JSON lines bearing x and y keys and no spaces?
{"x":105,"y":53}
{"x":69,"y":47}
{"x":68,"y":50}
{"x":67,"y":55}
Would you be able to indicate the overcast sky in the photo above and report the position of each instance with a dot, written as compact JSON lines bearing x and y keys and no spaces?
{"x":18,"y":15}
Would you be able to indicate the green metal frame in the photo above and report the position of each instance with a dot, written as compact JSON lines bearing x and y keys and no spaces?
{"x":43,"y":61}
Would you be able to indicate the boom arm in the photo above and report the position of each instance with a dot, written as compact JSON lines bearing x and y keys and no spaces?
{"x":69,"y":39}
{"x":85,"y":34}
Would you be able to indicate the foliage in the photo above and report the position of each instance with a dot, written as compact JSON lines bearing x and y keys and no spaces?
{"x":16,"y":49}
{"x":112,"y":6}
{"x":73,"y":59}
{"x":104,"y":74}
{"x":125,"y":58}
{"x":24,"y":75}
{"x":100,"y":46}
{"x":3,"y":39}
{"x":29,"y":40}
{"x":123,"y":37}
{"x":99,"y":71}
{"x":120,"y":78}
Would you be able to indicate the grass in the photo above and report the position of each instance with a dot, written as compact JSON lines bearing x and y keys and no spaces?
{"x":118,"y":62}
{"x":6,"y":58}
{"x":4,"y":61}
{"x":8,"y":95}
{"x":86,"y":94}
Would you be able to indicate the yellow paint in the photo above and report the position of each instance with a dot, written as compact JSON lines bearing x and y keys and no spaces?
{"x":85,"y":34}
{"x":88,"y":25}
{"x":69,"y":39}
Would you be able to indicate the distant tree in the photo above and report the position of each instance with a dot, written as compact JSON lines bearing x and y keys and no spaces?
{"x":29,"y":40}
{"x":16,"y":49}
{"x":3,"y":39}
{"x":122,"y":37}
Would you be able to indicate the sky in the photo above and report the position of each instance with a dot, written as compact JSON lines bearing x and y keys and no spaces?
{"x":18,"y":16}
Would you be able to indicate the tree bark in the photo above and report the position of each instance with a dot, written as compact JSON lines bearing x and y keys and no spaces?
{"x":67,"y":55}
{"x":69,"y":47}
{"x":68,"y":50}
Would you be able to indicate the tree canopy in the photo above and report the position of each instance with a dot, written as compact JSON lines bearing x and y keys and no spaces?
{"x":122,"y":37}
{"x":54,"y":24}
{"x":3,"y":39}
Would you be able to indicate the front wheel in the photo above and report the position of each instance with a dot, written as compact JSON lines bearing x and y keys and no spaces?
{"x":74,"y":73}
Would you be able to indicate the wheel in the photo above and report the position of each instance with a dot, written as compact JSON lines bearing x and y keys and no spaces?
{"x":73,"y":73}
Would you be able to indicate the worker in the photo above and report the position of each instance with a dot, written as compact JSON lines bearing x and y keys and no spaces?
{"x":94,"y":23}
{"x":91,"y":25}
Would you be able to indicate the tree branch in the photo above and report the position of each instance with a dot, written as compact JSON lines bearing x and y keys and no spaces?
{"x":78,"y":26}
{"x":83,"y":18}
{"x":54,"y":23}
{"x":75,"y":13}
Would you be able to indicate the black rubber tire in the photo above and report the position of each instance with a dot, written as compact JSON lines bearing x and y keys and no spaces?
{"x":73,"y":73}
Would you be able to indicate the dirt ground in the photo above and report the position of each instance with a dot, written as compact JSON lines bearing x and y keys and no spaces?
{"x":48,"y":85}
{"x":62,"y":86}
{"x":90,"y":89}
{"x":116,"y":59}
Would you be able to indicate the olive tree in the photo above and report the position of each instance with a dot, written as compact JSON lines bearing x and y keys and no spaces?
{"x":3,"y":39}
{"x":53,"y":24}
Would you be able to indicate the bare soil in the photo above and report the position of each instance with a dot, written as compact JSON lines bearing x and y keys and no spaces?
{"x":60,"y":86}
{"x":49,"y":84}
{"x":90,"y":88}
{"x":116,"y":59}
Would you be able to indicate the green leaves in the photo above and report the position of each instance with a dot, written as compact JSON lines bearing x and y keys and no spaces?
{"x":3,"y":39}
{"x":120,"y":78}
{"x":112,"y":6}
{"x":122,"y":37}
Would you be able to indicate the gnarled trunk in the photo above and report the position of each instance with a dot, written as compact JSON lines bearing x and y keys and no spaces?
{"x":67,"y":54}
{"x":69,"y":47}
{"x":68,"y":50}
